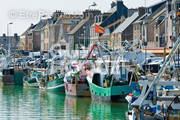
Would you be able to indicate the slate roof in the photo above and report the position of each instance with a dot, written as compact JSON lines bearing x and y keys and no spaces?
{"x":157,"y":3}
{"x":112,"y":10}
{"x":156,"y":6}
{"x":78,"y":26}
{"x":126,"y":23}
{"x":141,"y":18}
{"x":29,"y":28}
{"x":41,"y":24}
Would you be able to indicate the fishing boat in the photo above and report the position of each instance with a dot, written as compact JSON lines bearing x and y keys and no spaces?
{"x":48,"y":78}
{"x":53,"y":83}
{"x":2,"y":57}
{"x":112,"y":77}
{"x":75,"y":81}
{"x":111,"y":86}
{"x":159,"y":98}
{"x":13,"y":76}
{"x":32,"y":79}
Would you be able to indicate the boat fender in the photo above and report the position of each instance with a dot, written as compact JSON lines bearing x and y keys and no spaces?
{"x":25,"y":78}
{"x":158,"y":107}
{"x":162,"y":108}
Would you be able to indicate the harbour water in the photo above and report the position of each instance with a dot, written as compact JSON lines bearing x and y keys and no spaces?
{"x":20,"y":103}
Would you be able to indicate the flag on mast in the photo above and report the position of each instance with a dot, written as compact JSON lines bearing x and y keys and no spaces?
{"x":99,"y":29}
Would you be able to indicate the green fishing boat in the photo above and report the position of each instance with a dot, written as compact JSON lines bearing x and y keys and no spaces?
{"x":32,"y":79}
{"x":111,"y":86}
{"x":53,"y":83}
{"x":116,"y":92}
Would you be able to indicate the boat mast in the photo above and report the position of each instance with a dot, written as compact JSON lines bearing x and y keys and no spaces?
{"x":99,"y":46}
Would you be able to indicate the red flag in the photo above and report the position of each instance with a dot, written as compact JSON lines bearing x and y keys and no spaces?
{"x":99,"y":29}
{"x":67,"y":28}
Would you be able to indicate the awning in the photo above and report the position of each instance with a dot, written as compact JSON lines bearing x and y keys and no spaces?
{"x":156,"y":51}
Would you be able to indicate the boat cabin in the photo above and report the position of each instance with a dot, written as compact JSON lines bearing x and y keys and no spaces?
{"x":13,"y":76}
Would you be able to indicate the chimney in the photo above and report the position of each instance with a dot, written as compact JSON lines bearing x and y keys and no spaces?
{"x":15,"y":34}
{"x":121,"y":8}
{"x":113,"y":4}
{"x":4,"y":35}
{"x":119,"y":1}
{"x":141,"y":11}
{"x":119,"y":4}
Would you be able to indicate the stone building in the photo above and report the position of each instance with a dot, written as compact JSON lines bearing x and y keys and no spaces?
{"x":35,"y":35}
{"x":144,"y":27}
{"x":79,"y":36}
{"x":154,"y":28}
{"x":26,"y":43}
{"x":32,"y":38}
{"x":13,"y":40}
{"x":154,"y":23}
{"x":95,"y":37}
{"x":110,"y":21}
{"x":66,"y":23}
{"x":123,"y":32}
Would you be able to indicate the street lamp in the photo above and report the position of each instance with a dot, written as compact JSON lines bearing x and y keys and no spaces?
{"x":88,"y":36}
{"x":9,"y":42}
{"x":40,"y":39}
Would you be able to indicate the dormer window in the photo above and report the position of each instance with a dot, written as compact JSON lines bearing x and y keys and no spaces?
{"x":150,"y":10}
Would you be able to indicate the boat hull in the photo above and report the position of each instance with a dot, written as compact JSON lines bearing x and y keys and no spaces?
{"x":33,"y":85}
{"x":114,"y":93}
{"x":79,"y":90}
{"x":13,"y":79}
{"x":58,"y":88}
{"x":56,"y":85}
{"x":30,"y":82}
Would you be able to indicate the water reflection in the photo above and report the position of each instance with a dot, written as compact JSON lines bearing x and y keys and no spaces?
{"x":77,"y":108}
{"x":19,"y":103}
{"x":51,"y":105}
{"x":108,"y":111}
{"x":11,"y":100}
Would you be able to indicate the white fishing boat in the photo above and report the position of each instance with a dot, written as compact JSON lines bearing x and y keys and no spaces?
{"x":75,"y":80}
{"x":159,"y":97}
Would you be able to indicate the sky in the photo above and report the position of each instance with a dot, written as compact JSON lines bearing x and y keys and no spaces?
{"x":24,"y":12}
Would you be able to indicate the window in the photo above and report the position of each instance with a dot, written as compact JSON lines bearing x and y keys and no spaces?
{"x":134,"y":27}
{"x":169,"y":7}
{"x":63,"y":47}
{"x":156,"y":38}
{"x":137,"y":27}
